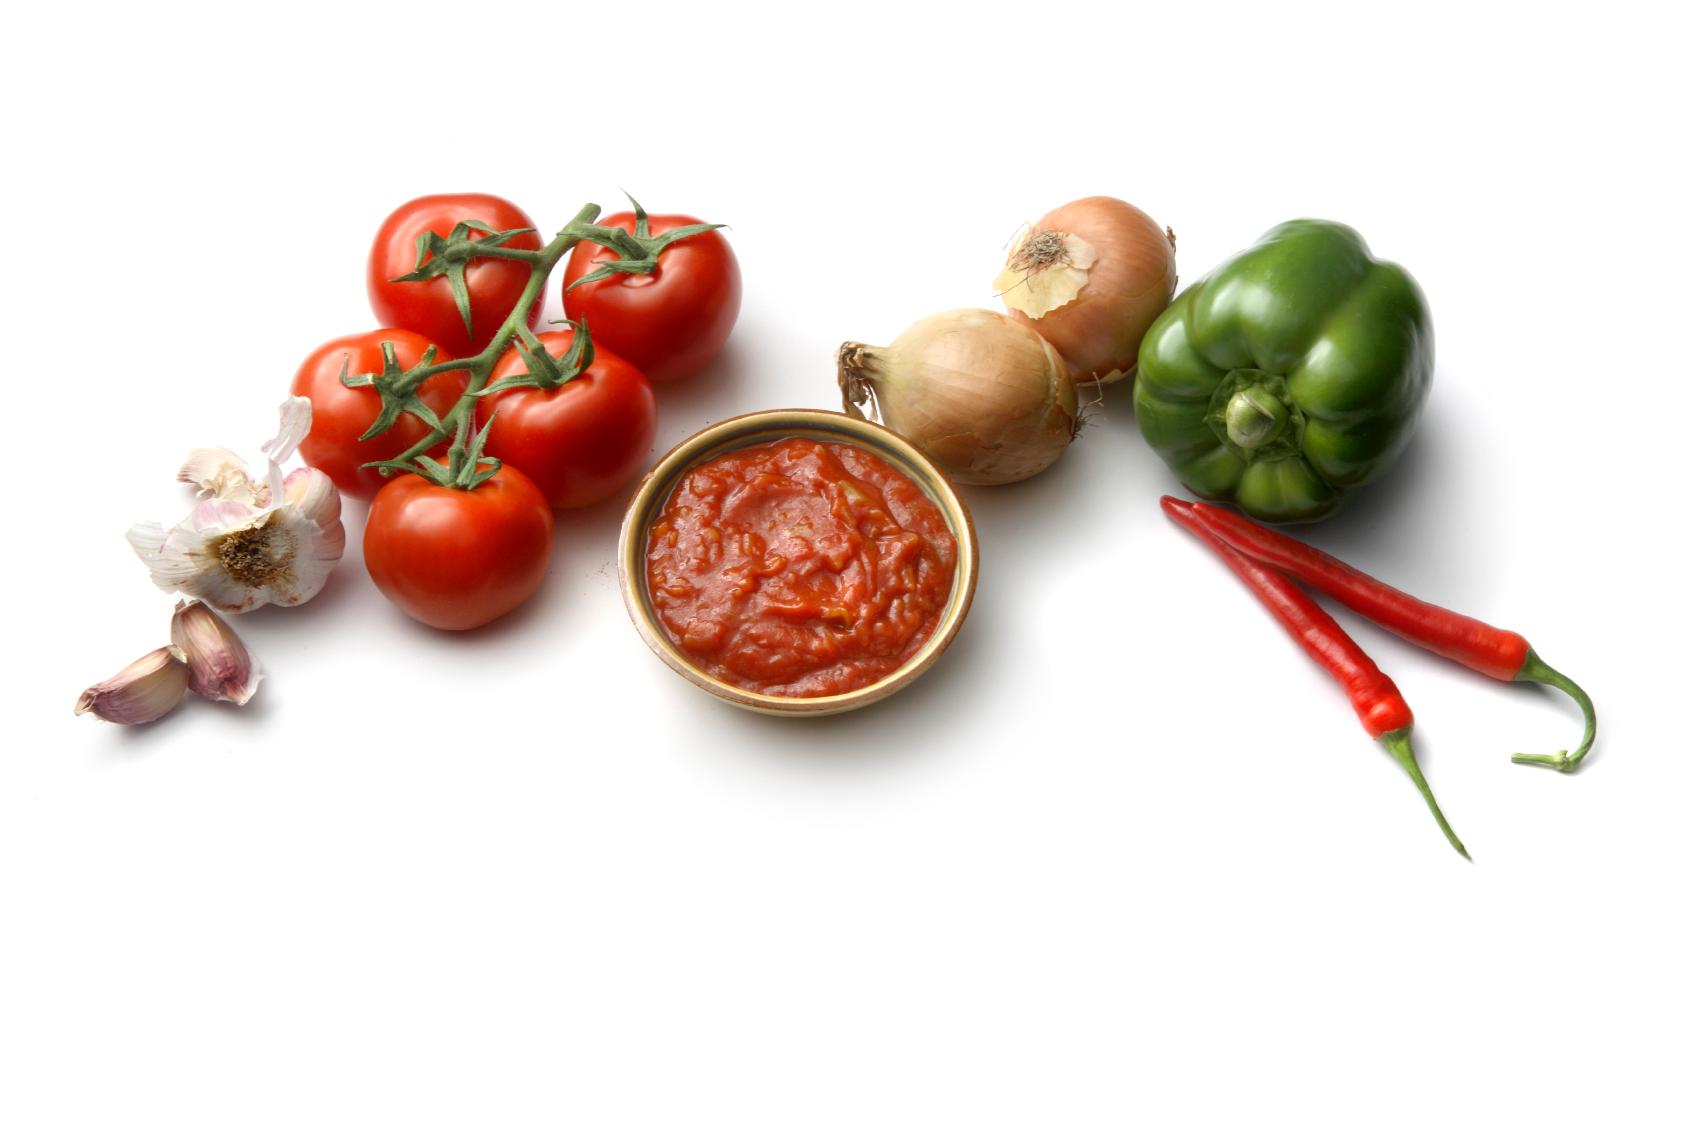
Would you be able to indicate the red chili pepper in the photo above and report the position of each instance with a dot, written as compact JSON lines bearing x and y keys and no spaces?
{"x":1381,"y":707}
{"x":1491,"y":651}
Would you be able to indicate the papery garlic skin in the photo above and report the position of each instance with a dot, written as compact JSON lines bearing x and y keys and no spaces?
{"x":144,"y":691}
{"x":251,"y":544}
{"x":219,"y":473}
{"x":294,"y":421}
{"x":220,"y":666}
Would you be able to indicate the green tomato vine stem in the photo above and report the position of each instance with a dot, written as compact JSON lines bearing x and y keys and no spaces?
{"x":456,"y":422}
{"x":446,"y":257}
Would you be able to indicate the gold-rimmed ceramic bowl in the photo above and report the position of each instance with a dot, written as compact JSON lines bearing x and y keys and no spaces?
{"x":779,"y":424}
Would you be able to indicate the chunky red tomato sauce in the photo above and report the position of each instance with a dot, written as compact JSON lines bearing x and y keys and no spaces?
{"x":799,"y":567}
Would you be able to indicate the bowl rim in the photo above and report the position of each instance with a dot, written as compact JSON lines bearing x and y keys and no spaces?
{"x":751,"y":428}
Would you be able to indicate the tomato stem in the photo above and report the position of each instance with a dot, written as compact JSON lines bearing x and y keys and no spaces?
{"x":448,"y":256}
{"x":519,"y":253}
{"x":462,"y":468}
{"x":639,"y":252}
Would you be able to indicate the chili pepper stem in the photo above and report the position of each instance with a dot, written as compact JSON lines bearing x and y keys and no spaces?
{"x":1397,"y":743}
{"x":1535,"y":670}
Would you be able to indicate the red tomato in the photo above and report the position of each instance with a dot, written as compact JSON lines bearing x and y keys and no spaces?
{"x":669,"y":323}
{"x":458,"y":559}
{"x":579,"y":442}
{"x":341,"y":414}
{"x":428,"y":306}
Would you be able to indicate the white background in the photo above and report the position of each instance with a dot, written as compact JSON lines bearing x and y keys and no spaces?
{"x":1122,"y":858}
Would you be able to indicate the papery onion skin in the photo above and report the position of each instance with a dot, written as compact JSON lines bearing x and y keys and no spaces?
{"x":1129,"y":281}
{"x":987,"y":399}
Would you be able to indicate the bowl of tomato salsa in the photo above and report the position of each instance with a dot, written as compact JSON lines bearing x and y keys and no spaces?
{"x":797,"y":562}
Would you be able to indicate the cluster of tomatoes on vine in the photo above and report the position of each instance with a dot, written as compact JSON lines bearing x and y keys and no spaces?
{"x":465,"y":465}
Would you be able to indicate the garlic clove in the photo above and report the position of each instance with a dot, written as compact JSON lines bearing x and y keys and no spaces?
{"x":219,"y":473}
{"x":220,"y":665}
{"x":142,"y":692}
{"x":311,"y":518}
{"x":312,"y":490}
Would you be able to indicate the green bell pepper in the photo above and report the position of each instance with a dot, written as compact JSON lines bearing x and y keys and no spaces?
{"x":1290,"y":375}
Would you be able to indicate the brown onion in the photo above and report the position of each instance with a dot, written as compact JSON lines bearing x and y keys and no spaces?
{"x":1091,"y":276}
{"x":988,"y":399}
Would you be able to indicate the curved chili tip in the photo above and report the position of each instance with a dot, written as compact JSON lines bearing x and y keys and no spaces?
{"x":1174,"y":506}
{"x":1535,"y":670}
{"x":1397,"y":745}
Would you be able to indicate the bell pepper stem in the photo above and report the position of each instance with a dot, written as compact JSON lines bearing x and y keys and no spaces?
{"x":1397,"y":744}
{"x":1535,"y":670}
{"x":1253,"y":416}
